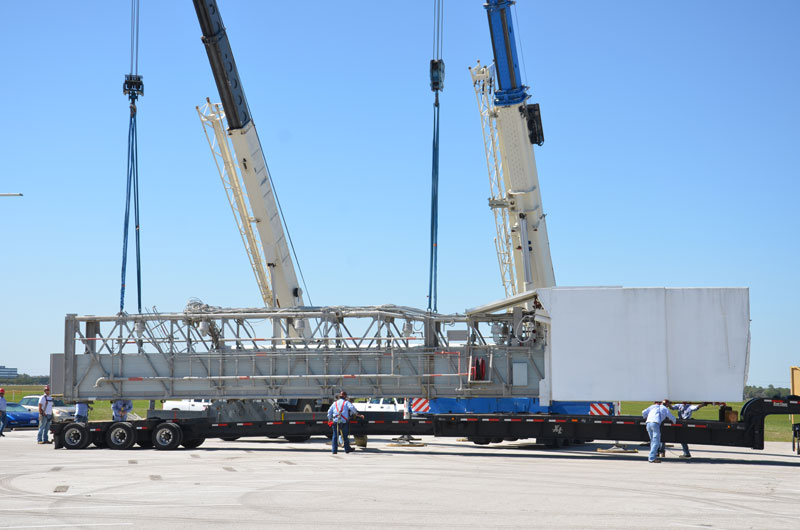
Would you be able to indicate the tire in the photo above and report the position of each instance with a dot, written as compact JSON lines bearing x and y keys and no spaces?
{"x":100,"y":442}
{"x":193,"y":443}
{"x":306,"y":405}
{"x":75,"y":436}
{"x":297,"y":439}
{"x":120,"y":436}
{"x":230,"y":438}
{"x":167,"y":436}
{"x":497,"y":440}
{"x":479,"y":441}
{"x":145,"y":444}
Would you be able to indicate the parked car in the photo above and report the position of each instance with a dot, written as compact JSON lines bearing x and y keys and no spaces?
{"x":18,"y":417}
{"x":381,"y":405}
{"x":61,"y":411}
{"x":186,"y":404}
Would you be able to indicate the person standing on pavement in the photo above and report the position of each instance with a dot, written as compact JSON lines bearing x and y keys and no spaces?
{"x":655,"y":415}
{"x":685,"y":412}
{"x":82,"y":412}
{"x":120,"y":409}
{"x":45,"y":417}
{"x":3,"y":408}
{"x":339,"y":415}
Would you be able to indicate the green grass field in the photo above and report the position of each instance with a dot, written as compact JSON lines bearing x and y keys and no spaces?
{"x":777,"y":428}
{"x":101,"y":409}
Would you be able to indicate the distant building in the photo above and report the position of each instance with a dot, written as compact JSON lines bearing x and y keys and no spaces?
{"x":8,"y":372}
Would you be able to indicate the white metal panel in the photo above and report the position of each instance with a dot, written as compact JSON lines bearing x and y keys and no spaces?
{"x":648,"y":343}
{"x":519,"y":376}
{"x":708,"y":343}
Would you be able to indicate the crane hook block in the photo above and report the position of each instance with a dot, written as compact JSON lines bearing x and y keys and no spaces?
{"x":437,"y":74}
{"x":533,"y":117}
{"x":133,"y":85}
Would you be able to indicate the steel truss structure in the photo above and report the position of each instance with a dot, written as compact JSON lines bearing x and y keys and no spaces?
{"x":311,"y":352}
{"x":483,"y":82}
{"x":212,"y":116}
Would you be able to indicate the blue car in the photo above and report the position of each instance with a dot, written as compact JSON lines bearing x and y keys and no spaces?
{"x":18,"y":417}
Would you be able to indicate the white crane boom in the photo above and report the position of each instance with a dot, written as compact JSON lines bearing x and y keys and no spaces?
{"x":245,"y":175}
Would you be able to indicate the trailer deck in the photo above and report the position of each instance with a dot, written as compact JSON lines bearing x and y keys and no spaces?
{"x":170,"y":429}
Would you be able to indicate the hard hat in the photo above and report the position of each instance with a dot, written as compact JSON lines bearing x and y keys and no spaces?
{"x":2,"y":390}
{"x":47,"y":387}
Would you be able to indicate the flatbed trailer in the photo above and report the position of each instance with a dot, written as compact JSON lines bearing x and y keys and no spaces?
{"x":490,"y":428}
{"x":171,"y":429}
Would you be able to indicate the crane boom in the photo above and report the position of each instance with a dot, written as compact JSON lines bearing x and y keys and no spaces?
{"x":264,"y":213}
{"x":518,"y":127}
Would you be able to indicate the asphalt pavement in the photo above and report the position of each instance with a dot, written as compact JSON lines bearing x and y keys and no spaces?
{"x":270,"y":483}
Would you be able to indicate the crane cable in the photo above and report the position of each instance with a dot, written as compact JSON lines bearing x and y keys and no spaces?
{"x":134,"y":88}
{"x":437,"y":85}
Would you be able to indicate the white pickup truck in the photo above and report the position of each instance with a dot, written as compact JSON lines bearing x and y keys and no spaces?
{"x":382,"y":405}
{"x":186,"y":404}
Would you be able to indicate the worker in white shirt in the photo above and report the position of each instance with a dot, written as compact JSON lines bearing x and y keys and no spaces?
{"x":45,"y":417}
{"x":655,"y":415}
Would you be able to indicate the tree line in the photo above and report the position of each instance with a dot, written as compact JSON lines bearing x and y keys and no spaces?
{"x":25,"y":379}
{"x":768,"y":392}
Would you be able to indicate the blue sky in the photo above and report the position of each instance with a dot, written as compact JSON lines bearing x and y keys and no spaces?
{"x":670,"y":158}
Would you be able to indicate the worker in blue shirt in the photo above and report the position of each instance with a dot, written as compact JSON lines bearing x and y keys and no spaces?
{"x":3,"y":408}
{"x":120,"y":409}
{"x":339,"y":415}
{"x":655,"y":415}
{"x":685,"y":412}
{"x":82,"y":412}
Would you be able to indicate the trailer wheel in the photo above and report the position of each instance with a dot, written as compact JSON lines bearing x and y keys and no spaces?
{"x":120,"y":436}
{"x":145,"y":444}
{"x":100,"y":442}
{"x":75,"y":436}
{"x":230,"y":438}
{"x":167,"y":436}
{"x":297,"y":438}
{"x":479,"y":440}
{"x":306,"y":405}
{"x":193,"y":443}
